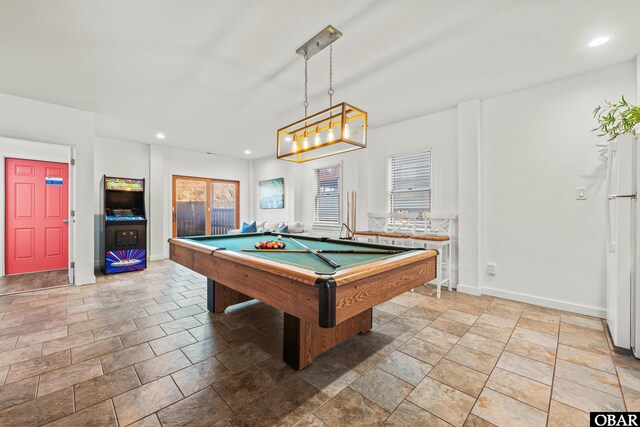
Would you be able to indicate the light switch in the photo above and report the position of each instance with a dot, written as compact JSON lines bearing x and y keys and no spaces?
{"x":581,"y":193}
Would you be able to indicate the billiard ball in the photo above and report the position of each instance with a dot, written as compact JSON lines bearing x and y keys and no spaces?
{"x":279,"y":237}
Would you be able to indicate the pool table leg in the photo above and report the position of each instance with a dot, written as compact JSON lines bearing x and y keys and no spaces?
{"x":219,"y":297}
{"x":304,"y":340}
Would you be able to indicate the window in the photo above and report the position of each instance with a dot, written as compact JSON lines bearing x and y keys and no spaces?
{"x":410,"y":182}
{"x":327,"y":200}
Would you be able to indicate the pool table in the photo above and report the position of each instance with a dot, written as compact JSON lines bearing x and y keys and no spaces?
{"x":323,"y":306}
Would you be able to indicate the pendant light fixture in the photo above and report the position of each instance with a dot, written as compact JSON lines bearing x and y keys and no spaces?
{"x":338,"y":129}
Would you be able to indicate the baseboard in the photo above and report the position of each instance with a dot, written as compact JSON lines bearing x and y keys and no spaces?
{"x":545,"y":302}
{"x":85,"y":280}
{"x":468,"y":289}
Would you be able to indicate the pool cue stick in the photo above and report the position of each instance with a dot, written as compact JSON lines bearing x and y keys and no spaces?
{"x":329,"y":251}
{"x":353,"y":211}
{"x":348,"y":207}
{"x":357,"y":251}
{"x":351,"y":215}
{"x":355,"y":200}
{"x":318,"y":255}
{"x":351,"y":223}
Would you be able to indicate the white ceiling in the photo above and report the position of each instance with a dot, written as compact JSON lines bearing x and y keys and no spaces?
{"x":223,"y":76}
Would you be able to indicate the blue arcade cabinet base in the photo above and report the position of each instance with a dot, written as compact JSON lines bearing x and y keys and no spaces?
{"x":125,"y":260}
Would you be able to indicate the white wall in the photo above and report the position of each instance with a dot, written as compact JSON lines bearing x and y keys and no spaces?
{"x":437,"y":132}
{"x":33,"y":150}
{"x":158,"y":228}
{"x":638,"y":79}
{"x":299,"y":186}
{"x":305,"y":178}
{"x":537,"y":148}
{"x":22,"y":118}
{"x":120,"y":159}
{"x":516,"y":161}
{"x":469,"y":210}
{"x":269,"y":168}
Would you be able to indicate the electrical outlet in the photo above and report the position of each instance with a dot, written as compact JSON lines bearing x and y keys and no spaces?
{"x":491,"y":269}
{"x":581,"y":193}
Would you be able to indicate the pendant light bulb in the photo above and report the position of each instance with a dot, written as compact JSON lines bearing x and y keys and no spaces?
{"x":330,"y":135}
{"x":295,"y":145}
{"x":305,"y":142}
{"x":346,"y":131}
{"x":316,"y":140}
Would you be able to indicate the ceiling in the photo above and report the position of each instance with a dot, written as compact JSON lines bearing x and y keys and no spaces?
{"x":223,"y":76}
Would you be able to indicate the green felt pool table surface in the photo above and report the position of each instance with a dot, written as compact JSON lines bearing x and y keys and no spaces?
{"x":237,"y":242}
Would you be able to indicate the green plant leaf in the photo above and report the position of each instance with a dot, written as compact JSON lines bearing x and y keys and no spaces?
{"x":615,"y":119}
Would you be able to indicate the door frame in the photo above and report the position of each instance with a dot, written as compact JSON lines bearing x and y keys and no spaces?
{"x":44,"y":152}
{"x":209,"y":182}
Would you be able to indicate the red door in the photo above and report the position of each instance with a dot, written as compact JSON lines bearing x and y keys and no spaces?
{"x":37,"y":207}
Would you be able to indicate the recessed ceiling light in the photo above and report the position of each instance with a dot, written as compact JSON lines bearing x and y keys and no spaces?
{"x":598,"y":41}
{"x":160,"y":135}
{"x":247,"y":151}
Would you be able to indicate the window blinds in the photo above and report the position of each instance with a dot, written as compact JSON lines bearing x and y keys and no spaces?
{"x":410,"y":182}
{"x":327,"y":199}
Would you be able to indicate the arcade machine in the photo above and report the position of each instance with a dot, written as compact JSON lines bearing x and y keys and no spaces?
{"x":124,"y":237}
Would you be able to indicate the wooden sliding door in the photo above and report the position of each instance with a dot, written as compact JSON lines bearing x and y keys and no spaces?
{"x":204,"y":206}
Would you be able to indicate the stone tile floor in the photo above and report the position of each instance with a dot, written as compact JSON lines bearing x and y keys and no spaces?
{"x":140,"y":349}
{"x":32,"y":281}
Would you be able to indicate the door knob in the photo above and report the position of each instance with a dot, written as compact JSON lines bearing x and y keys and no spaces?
{"x":66,"y":221}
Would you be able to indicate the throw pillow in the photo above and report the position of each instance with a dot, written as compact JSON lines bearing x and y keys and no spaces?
{"x":296,"y":227}
{"x":283,"y":228}
{"x":249,"y":228}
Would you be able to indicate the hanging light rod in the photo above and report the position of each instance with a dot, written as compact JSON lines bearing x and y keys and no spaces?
{"x":318,"y":42}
